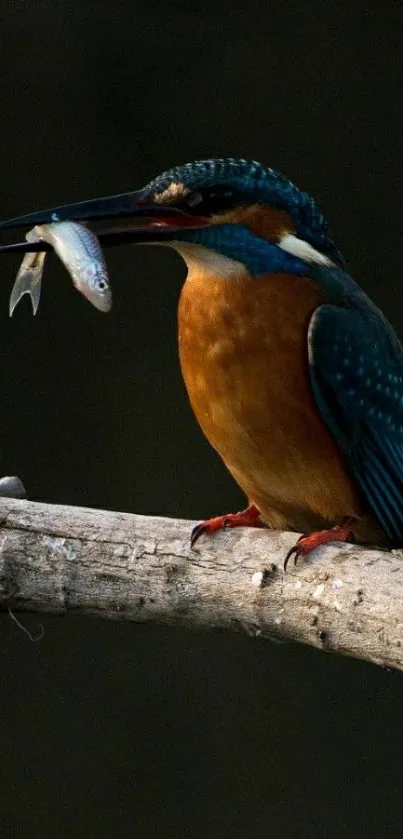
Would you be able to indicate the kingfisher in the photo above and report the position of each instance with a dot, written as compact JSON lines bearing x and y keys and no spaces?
{"x":293,"y":373}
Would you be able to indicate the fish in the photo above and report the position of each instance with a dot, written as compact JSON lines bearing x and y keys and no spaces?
{"x":79,"y":250}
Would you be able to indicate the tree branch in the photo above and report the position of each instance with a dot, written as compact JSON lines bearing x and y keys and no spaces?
{"x":344,"y":599}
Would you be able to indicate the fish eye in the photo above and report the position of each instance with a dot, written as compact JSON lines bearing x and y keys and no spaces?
{"x":102,"y":285}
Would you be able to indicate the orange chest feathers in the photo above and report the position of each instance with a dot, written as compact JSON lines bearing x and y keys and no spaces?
{"x":244,"y":358}
{"x":243,"y":349}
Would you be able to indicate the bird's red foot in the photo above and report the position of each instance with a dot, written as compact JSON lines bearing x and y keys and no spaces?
{"x":310,"y":541}
{"x":246,"y":518}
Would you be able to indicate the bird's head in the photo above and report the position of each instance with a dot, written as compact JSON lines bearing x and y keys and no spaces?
{"x":216,"y":211}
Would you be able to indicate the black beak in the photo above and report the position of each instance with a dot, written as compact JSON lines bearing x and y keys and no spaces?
{"x":161,"y":221}
{"x":113,"y":206}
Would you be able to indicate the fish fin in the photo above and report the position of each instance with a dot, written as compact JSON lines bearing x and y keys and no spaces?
{"x":28,"y":281}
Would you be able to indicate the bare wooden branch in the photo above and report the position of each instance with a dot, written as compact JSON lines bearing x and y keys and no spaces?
{"x":344,"y":599}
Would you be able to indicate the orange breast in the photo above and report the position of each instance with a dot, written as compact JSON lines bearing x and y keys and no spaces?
{"x":243,"y":353}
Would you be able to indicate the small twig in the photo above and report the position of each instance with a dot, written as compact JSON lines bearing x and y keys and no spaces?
{"x":33,"y":638}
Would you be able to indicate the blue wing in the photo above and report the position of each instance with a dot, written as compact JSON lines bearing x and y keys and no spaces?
{"x":356,"y":368}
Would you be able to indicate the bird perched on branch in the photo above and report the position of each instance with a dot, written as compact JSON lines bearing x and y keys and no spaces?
{"x":294,"y":375}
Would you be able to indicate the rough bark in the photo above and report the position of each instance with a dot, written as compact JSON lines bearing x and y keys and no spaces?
{"x":343,"y":599}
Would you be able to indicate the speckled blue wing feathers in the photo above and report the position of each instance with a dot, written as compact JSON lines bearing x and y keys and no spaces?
{"x":356,"y":367}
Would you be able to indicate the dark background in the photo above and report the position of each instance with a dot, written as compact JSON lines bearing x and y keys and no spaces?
{"x":123,"y":730}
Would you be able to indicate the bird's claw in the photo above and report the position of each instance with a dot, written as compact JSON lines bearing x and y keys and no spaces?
{"x":210,"y":526}
{"x":197,"y":531}
{"x":246,"y":518}
{"x":296,"y":552}
{"x":309,"y":541}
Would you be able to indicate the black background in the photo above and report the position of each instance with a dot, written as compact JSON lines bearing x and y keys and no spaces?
{"x":124,"y":730}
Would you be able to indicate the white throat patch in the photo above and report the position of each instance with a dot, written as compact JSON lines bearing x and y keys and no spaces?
{"x":303,"y":250}
{"x":197,"y":258}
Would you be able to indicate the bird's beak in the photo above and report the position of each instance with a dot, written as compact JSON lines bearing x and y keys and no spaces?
{"x":158,"y":222}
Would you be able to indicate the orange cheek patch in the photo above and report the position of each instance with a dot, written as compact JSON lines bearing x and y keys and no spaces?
{"x":269,"y":223}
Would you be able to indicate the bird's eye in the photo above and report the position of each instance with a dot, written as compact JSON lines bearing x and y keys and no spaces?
{"x":216,"y":199}
{"x":194,"y":198}
{"x":223,"y":193}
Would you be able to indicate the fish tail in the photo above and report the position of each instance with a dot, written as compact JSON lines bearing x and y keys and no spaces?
{"x":28,"y":281}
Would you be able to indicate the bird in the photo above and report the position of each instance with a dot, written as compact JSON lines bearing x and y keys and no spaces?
{"x":293,"y":373}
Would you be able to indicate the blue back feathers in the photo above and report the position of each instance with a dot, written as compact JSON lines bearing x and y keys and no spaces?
{"x":356,"y":369}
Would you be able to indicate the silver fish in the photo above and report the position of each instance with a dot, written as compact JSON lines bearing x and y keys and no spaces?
{"x":79,"y":250}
